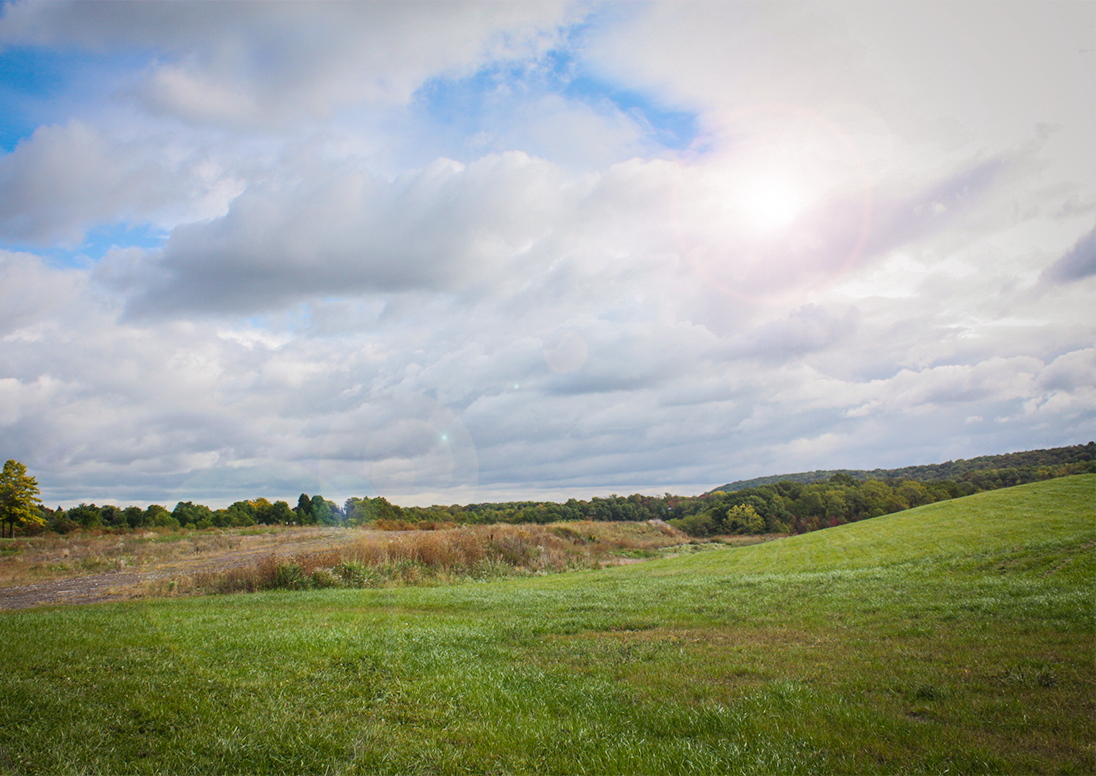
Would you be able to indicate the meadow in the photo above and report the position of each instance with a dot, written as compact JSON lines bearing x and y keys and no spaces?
{"x":957,"y":637}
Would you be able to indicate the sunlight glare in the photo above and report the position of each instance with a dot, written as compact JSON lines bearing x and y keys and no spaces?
{"x":772,"y":203}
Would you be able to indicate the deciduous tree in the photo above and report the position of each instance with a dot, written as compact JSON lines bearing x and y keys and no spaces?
{"x":19,"y":499}
{"x":743,"y":519}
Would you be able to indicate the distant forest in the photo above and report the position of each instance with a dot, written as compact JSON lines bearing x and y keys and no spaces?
{"x":793,"y":503}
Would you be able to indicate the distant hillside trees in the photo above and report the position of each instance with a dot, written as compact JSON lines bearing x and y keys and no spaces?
{"x":784,"y":507}
{"x":985,"y":471}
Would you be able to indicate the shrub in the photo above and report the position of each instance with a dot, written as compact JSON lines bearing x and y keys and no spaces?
{"x":322,"y":578}
{"x":357,"y":575}
{"x":290,"y":576}
{"x":700,"y":524}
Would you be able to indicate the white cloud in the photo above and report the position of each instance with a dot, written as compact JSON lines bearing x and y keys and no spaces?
{"x":30,"y":292}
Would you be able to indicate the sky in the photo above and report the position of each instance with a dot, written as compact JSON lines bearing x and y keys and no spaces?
{"x":467,"y":252}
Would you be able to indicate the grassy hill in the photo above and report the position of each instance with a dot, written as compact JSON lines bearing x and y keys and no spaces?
{"x":957,"y":637}
{"x":985,"y":524}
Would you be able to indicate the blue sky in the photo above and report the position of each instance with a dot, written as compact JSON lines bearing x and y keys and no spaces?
{"x":470,"y":252}
{"x":465,"y":104}
{"x":28,"y":78}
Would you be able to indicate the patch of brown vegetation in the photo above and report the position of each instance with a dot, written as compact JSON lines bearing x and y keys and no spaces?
{"x":85,"y":568}
{"x":101,"y":566}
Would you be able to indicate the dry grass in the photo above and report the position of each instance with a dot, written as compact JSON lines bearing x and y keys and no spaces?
{"x":51,"y":556}
{"x":178,"y":563}
{"x":447,"y":555}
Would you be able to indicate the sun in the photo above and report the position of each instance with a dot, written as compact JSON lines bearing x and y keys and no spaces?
{"x":772,"y":202}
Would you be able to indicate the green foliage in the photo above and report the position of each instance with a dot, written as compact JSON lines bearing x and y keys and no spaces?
{"x":158,"y":517}
{"x":359,"y":511}
{"x":323,"y":511}
{"x":240,"y":514}
{"x":86,"y":515}
{"x":304,"y":509}
{"x":191,"y":515}
{"x":289,"y":576}
{"x":701,"y":524}
{"x":277,"y":513}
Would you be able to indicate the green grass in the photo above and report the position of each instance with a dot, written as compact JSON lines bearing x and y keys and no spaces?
{"x":953,"y":638}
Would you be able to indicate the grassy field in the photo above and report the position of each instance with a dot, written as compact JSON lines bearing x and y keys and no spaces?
{"x":957,"y":638}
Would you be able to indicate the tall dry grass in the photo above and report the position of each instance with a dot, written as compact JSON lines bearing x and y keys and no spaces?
{"x":442,"y":556}
{"x":46,"y":557}
{"x":230,"y":560}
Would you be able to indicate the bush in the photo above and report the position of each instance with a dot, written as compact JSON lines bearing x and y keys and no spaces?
{"x":290,"y":576}
{"x":700,"y":524}
{"x":356,"y":575}
{"x":322,"y":578}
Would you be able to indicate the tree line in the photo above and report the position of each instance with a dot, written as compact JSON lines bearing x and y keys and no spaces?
{"x":784,"y":506}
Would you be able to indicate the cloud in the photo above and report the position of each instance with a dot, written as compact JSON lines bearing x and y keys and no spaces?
{"x":226,"y":410}
{"x":1079,"y":262}
{"x":343,"y":231}
{"x":321,"y":229}
{"x":258,"y":64}
{"x":810,"y":329}
{"x":1071,"y":372}
{"x":31,"y":292}
{"x":66,"y":179}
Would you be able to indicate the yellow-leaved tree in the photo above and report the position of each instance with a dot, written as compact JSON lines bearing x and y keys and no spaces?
{"x":18,"y":497}
{"x":743,"y":519}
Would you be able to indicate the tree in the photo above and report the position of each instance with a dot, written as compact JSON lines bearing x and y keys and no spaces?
{"x":700,"y":524}
{"x":304,"y":509}
{"x":18,"y":497}
{"x":86,"y":515}
{"x":134,"y":516}
{"x":187,"y":513}
{"x":914,"y":493}
{"x":277,"y":513}
{"x":320,"y":511}
{"x":743,"y":519}
{"x":158,"y":517}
